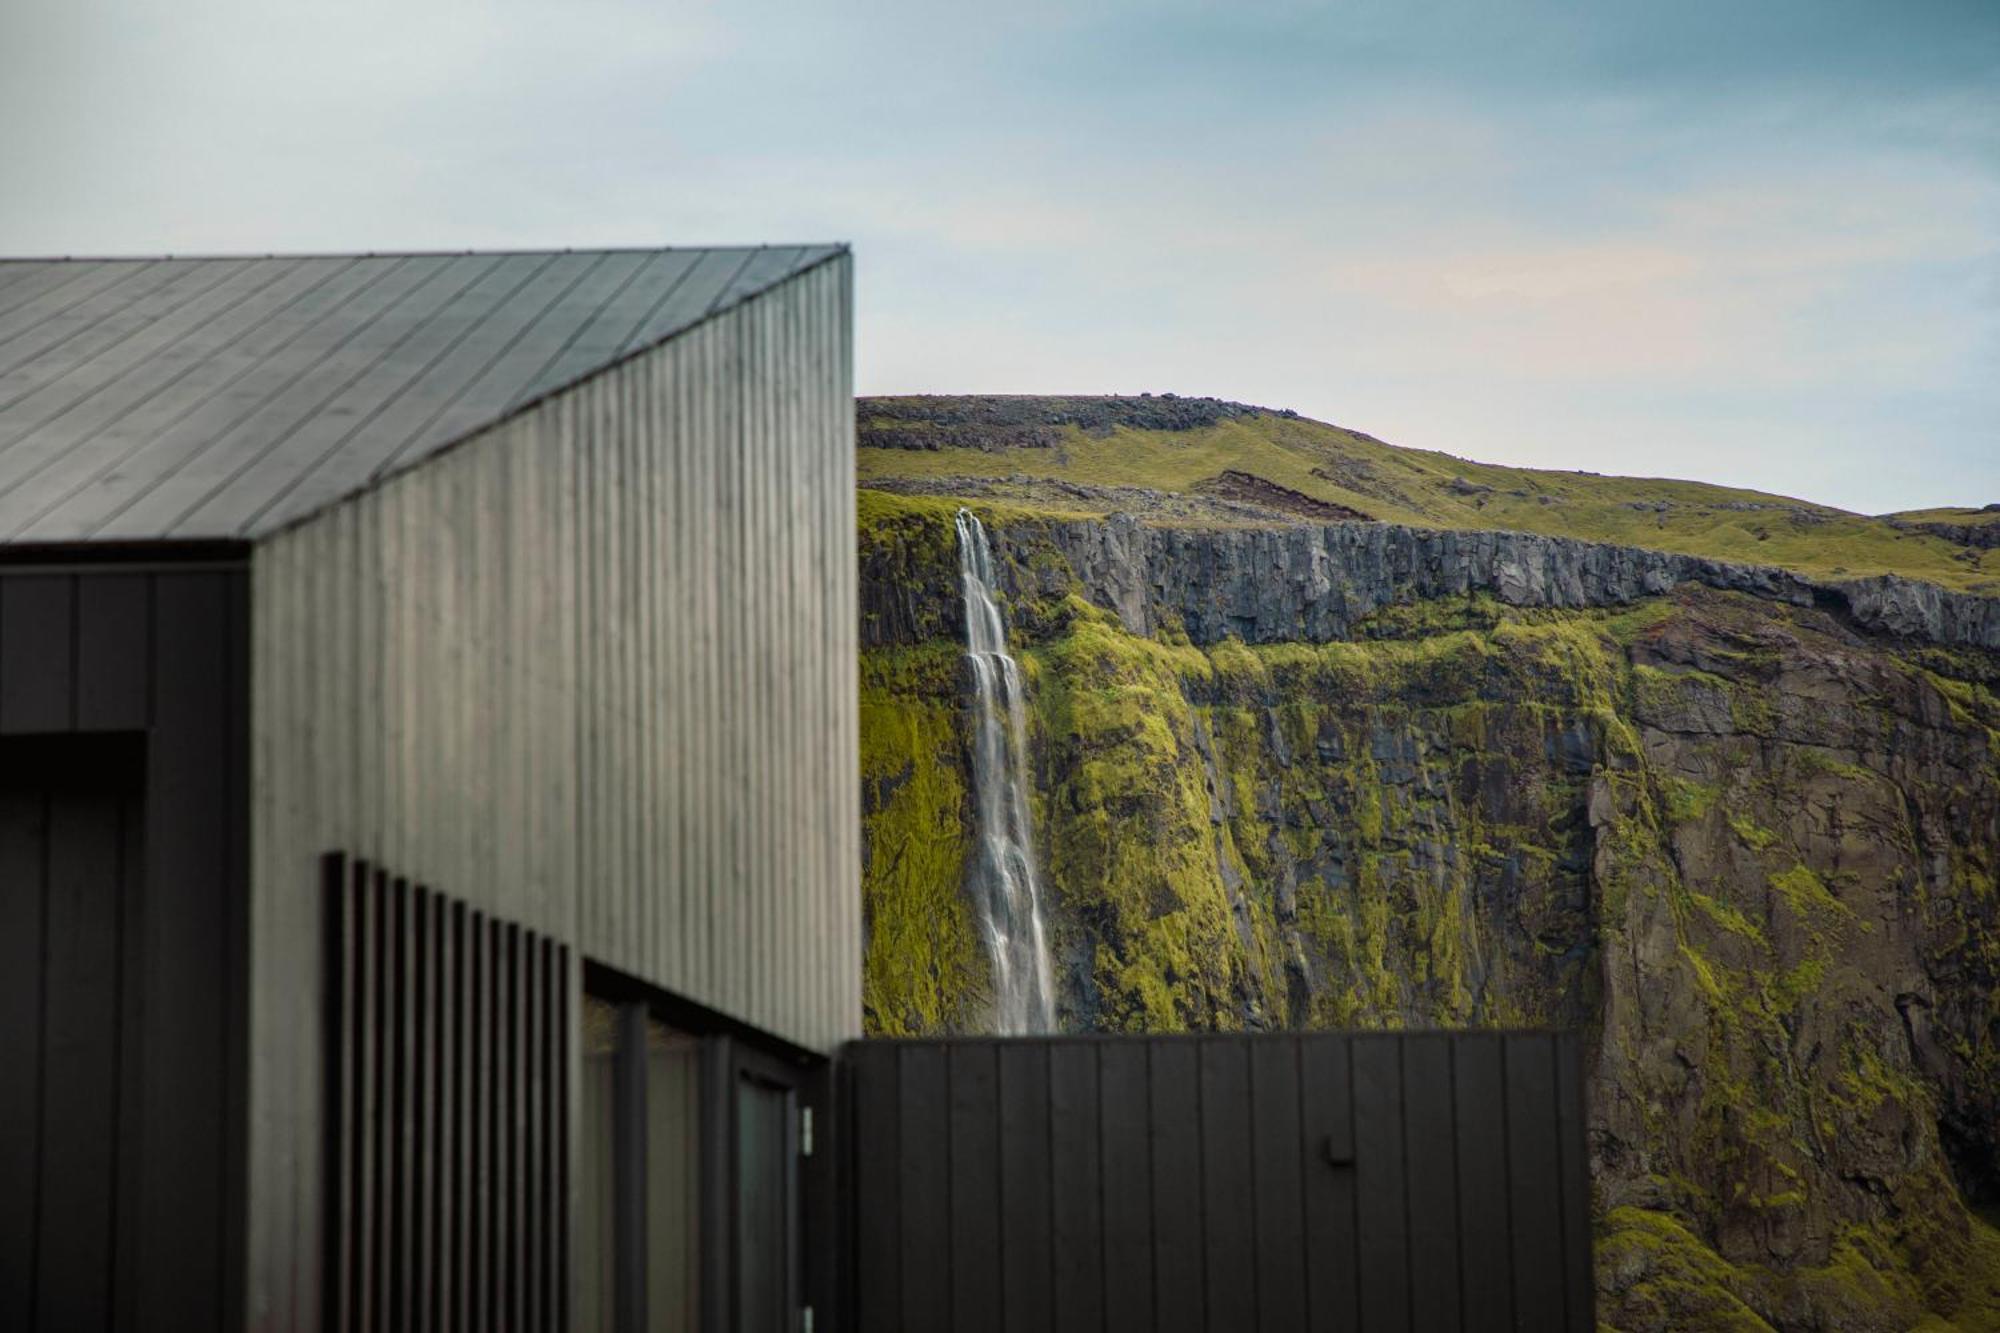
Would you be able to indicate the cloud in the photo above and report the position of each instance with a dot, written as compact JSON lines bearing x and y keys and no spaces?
{"x":1759,"y":240}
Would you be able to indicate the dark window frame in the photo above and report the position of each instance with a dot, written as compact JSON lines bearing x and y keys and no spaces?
{"x":730,"y":1053}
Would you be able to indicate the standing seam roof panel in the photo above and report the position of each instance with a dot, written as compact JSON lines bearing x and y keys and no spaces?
{"x":228,"y":397}
{"x":606,"y":284}
{"x":388,"y":374}
{"x":487,"y":395}
{"x":49,"y":289}
{"x":19,"y":282}
{"x":760,"y":270}
{"x":691,"y":300}
{"x":43,"y":332}
{"x":601,"y":340}
{"x":137,"y":379}
{"x":267,"y":329}
{"x":411,"y":411}
{"x":41,"y":392}
{"x":287,"y":387}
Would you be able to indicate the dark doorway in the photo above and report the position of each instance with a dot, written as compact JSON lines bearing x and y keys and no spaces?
{"x":71,"y":830}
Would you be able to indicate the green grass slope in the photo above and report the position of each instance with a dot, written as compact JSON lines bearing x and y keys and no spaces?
{"x":1985,"y":517}
{"x":1008,"y":447}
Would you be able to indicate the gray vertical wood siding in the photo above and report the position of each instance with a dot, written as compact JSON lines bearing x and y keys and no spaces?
{"x":592,"y":671}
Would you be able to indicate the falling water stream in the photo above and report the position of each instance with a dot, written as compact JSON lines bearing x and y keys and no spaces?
{"x":1005,"y":885}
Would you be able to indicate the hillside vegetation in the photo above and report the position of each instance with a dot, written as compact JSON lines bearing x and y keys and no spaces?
{"x":1292,"y":768}
{"x":1201,"y":461}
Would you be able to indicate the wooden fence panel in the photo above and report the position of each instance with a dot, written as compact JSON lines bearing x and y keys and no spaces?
{"x":1428,"y":1181}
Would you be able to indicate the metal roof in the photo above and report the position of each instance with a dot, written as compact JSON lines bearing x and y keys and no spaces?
{"x":223,"y":398}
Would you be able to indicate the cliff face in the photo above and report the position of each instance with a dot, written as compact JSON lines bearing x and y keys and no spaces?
{"x":1273,"y":585}
{"x":1316,"y":583}
{"x":1721,"y":818}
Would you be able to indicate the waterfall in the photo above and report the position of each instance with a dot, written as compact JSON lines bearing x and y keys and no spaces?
{"x":1004,"y":885}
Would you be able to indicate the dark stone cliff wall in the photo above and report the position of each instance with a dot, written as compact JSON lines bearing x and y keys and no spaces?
{"x":1312,"y":584}
{"x":1741,"y":829}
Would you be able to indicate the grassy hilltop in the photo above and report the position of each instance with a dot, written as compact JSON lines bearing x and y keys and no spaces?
{"x":1207,"y":461}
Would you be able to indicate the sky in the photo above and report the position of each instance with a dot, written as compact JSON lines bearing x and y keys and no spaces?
{"x":1748,"y":241}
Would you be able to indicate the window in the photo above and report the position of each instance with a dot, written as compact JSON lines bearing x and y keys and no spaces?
{"x":673,"y":1176}
{"x":689,"y":1206}
{"x":640,"y":1212}
{"x":767,"y":1282}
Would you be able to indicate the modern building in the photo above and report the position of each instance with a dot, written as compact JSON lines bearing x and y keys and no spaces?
{"x":427,"y":722}
{"x":429,"y":865}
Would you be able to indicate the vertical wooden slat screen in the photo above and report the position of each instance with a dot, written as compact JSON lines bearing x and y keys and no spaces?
{"x":447,"y":1057}
{"x":1417,"y":1182}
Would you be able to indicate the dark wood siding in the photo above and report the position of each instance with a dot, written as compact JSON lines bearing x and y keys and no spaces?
{"x":121,"y":952}
{"x":416,"y":985}
{"x":1221,"y":1183}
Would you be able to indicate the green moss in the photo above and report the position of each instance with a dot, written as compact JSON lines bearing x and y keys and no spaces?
{"x":1689,"y":802}
{"x":1807,"y":895}
{"x":1871,"y":1081}
{"x":1813,"y":760}
{"x":1751,"y":712}
{"x":923,"y":968}
{"x":1470,"y":815}
{"x":1728,"y":916}
{"x":1752,"y":833}
{"x":1797,"y":984}
{"x":923,"y":526}
{"x":1668,"y":1274}
{"x":1428,"y":617}
{"x":1627,"y":626}
{"x":1127,"y":823}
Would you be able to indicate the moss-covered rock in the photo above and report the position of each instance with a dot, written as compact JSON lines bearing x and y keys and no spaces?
{"x":1749,"y":852}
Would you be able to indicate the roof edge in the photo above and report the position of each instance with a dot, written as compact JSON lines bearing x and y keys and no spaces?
{"x":156,"y":554}
{"x":439,"y":252}
{"x":836,"y":251}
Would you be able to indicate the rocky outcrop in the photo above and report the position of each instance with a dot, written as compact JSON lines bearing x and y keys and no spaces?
{"x":1315,"y":583}
{"x":1910,"y":609}
{"x":1740,"y":829}
{"x":1979,"y":536}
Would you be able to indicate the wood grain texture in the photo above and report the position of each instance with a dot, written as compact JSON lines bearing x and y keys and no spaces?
{"x":1533,"y":1159}
{"x":1222,"y":1182}
{"x":1077,"y":1202}
{"x":404,"y":972}
{"x":974,"y":1133}
{"x":593,"y":671}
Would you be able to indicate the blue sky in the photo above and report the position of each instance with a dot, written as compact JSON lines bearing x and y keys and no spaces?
{"x":1750,"y":242}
